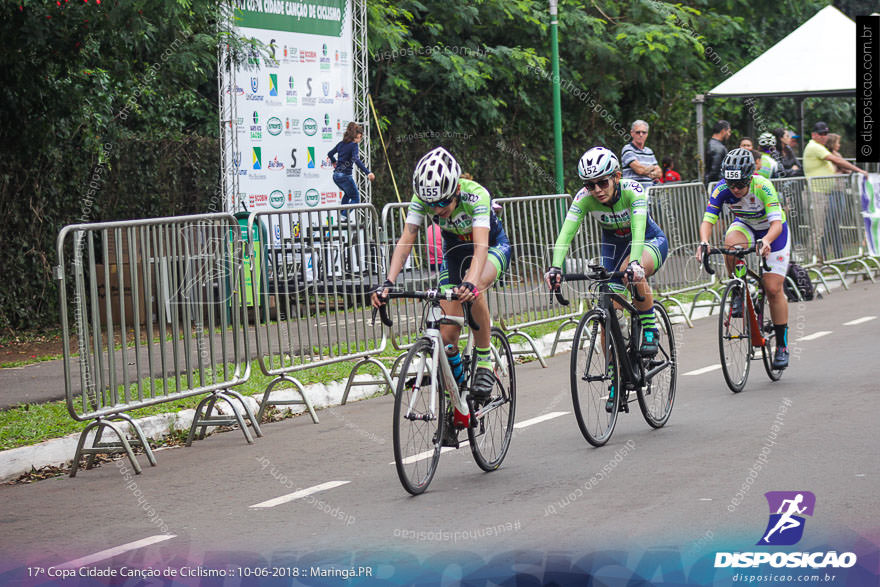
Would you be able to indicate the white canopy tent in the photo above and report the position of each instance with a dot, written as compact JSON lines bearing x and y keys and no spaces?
{"x":802,"y":64}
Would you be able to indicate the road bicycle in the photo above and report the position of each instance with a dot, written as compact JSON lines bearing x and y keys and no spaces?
{"x":605,"y":357}
{"x":745,"y":327}
{"x":431,"y":408}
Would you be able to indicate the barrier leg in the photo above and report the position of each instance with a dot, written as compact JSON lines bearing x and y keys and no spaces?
{"x":102,"y":447}
{"x":219,"y":420}
{"x":530,"y":341}
{"x":794,"y":288}
{"x":665,"y":300}
{"x":367,"y":361}
{"x":264,"y":403}
{"x":838,"y":274}
{"x":247,"y":412}
{"x":558,"y":338}
{"x":711,"y":293}
{"x":866,"y":270}
{"x":818,"y":274}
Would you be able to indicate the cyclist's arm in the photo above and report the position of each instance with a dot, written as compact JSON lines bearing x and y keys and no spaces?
{"x":573,"y":221}
{"x":402,"y":250}
{"x":639,"y":215}
{"x":774,"y":231}
{"x":710,"y":216}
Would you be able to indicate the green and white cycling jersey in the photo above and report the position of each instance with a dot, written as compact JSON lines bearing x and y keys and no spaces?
{"x":474,"y":209}
{"x":627,"y":219}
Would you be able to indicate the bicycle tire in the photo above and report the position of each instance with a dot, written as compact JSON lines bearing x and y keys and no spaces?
{"x":655,"y":401}
{"x":736,"y":355}
{"x":490,"y":436}
{"x":769,"y":333}
{"x":588,"y":361}
{"x":417,"y":440}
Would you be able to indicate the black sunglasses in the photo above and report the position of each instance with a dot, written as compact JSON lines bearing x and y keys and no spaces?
{"x":441,"y":203}
{"x":601,"y":184}
{"x":739,"y":183}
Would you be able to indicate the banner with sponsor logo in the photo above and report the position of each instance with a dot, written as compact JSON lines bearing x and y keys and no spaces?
{"x":870,"y":193}
{"x":292,"y":105}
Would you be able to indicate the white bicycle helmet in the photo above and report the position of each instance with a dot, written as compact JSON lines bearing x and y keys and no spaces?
{"x":597,"y":162}
{"x":767,"y":140}
{"x":436,"y":176}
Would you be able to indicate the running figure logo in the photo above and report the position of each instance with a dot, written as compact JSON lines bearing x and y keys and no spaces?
{"x":786,"y":524}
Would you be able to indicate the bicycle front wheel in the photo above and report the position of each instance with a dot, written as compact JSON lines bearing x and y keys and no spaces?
{"x":734,"y":337}
{"x":418,"y":419}
{"x":656,"y":398}
{"x":490,"y":434}
{"x":594,"y":378}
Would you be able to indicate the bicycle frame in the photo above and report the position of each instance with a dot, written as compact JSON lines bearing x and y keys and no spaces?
{"x":440,"y":363}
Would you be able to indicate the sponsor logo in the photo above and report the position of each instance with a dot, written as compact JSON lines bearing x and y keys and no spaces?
{"x":258,"y":157}
{"x":256,"y":117}
{"x":308,"y":56}
{"x":313,"y":198}
{"x":310,"y":157}
{"x":273,"y":84}
{"x":342,"y":94}
{"x":273,"y":125}
{"x":238,"y":91}
{"x":255,"y":84}
{"x":276,"y":199}
{"x":785,"y":527}
{"x":259,"y":200}
{"x":309,"y":86}
{"x":310,"y":126}
{"x":275,"y":164}
{"x":329,"y":198}
{"x":325,"y":88}
{"x":326,"y":129}
{"x":324,"y":49}
{"x":292,"y":126}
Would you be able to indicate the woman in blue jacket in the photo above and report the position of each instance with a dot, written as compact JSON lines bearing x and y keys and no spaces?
{"x":347,"y":151}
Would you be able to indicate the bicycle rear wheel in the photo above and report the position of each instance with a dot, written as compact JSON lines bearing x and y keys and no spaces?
{"x":490,"y":434}
{"x":657,"y":397}
{"x":734,"y":337}
{"x":594,"y":371}
{"x":763,"y":309}
{"x":418,"y":429}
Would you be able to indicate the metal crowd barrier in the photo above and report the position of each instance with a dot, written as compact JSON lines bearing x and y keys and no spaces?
{"x":838,"y":229}
{"x":532,"y":225}
{"x":158,"y":317}
{"x":678,"y":208}
{"x":312,"y":271}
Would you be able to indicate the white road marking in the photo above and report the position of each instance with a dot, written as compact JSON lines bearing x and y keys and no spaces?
{"x":111,"y":552}
{"x":705,"y":499}
{"x":860,"y":320}
{"x":708,"y":369}
{"x":539,"y":419}
{"x":815,"y":335}
{"x":423,"y":455}
{"x":298,"y":494}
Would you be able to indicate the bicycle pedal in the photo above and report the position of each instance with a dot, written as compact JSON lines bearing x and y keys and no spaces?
{"x":450,"y":437}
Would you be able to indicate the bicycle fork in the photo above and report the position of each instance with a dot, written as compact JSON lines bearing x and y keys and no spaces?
{"x":460,"y":411}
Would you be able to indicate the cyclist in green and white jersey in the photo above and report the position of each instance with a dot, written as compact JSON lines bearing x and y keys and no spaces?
{"x":631,"y":240}
{"x":753,"y":201}
{"x":476,"y":252}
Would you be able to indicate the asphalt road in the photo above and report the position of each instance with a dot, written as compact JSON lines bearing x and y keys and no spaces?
{"x":674,"y":488}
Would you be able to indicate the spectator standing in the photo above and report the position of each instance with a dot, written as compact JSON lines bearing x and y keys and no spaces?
{"x":716,"y":151}
{"x":637,"y":160}
{"x":833,"y":145}
{"x":347,"y":150}
{"x":670,"y":175}
{"x":790,"y":167}
{"x":746,"y":143}
{"x":818,"y":162}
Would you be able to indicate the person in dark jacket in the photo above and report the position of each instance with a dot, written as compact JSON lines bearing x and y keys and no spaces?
{"x":787,"y":158}
{"x":716,"y":151}
{"x":347,"y":151}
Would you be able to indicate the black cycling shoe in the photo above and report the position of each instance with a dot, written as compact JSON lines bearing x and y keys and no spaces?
{"x":649,"y":346}
{"x":484,"y":382}
{"x":450,"y":435}
{"x":780,"y":359}
{"x":736,"y":304}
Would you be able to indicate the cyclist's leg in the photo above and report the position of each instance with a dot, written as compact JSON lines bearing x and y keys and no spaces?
{"x":653,"y":255}
{"x":450,"y":275}
{"x":738,"y":234}
{"x":497,"y":261}
{"x":773,"y":282}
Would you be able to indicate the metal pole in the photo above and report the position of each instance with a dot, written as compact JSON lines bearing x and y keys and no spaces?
{"x":701,"y":142}
{"x":557,"y":96}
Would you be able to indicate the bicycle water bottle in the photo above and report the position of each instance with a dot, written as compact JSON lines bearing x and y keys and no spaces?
{"x":454,"y":358}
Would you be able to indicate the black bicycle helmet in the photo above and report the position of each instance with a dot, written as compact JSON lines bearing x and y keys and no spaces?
{"x":738,"y":165}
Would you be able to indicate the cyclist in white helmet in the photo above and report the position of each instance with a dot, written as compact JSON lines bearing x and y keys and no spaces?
{"x":476,"y":251}
{"x":631,"y":240}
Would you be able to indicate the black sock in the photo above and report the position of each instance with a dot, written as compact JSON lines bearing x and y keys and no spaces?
{"x":781,"y":335}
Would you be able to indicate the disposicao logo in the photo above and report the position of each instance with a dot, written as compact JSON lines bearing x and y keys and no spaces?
{"x":786,"y":528}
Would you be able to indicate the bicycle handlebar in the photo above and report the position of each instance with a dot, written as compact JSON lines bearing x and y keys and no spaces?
{"x":429,"y":295}
{"x":737,"y":252}
{"x":598,"y":273}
